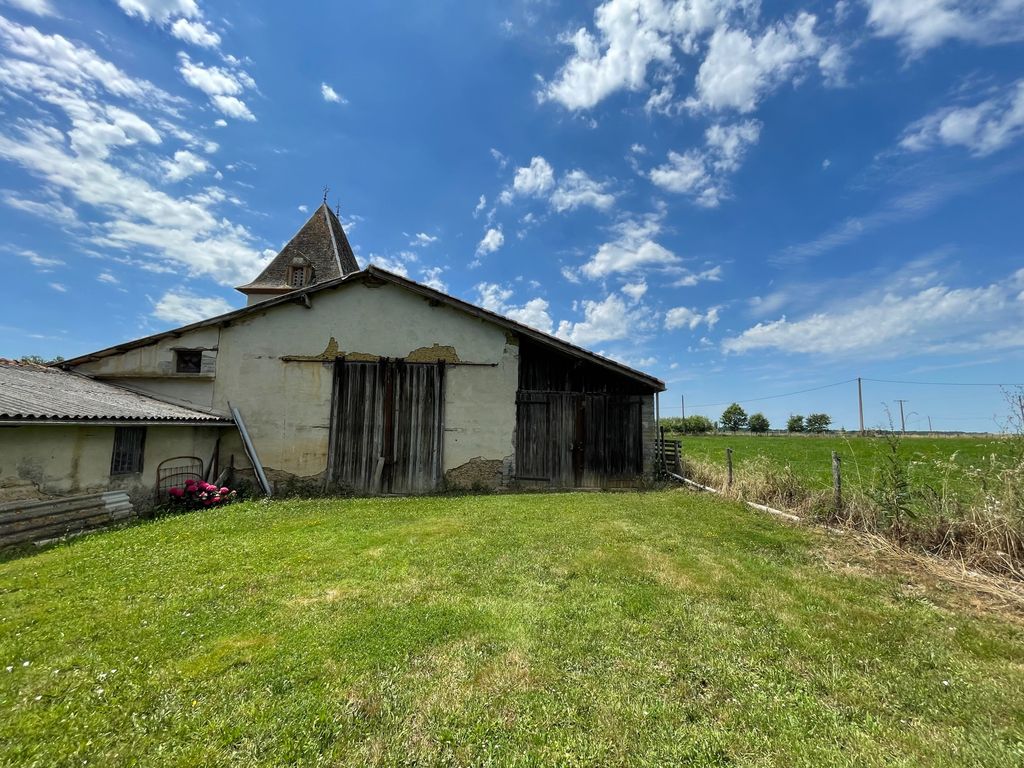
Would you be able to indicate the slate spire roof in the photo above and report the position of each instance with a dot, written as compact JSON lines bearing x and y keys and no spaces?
{"x":321,"y":244}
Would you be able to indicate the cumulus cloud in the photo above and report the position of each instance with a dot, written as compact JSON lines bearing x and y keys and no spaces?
{"x":421,"y":239}
{"x":607,"y":320}
{"x":183,"y":308}
{"x":431,"y":277}
{"x":923,"y":24}
{"x":685,"y":317}
{"x":159,"y":11}
{"x":912,"y":319}
{"x":491,"y":242}
{"x":636,"y":290}
{"x":739,"y":69}
{"x":495,"y":298}
{"x":84,"y":165}
{"x":196,"y":33}
{"x":38,"y":7}
{"x":574,"y":189}
{"x":632,"y":248}
{"x":982,"y":128}
{"x":743,"y":61}
{"x":222,"y":85}
{"x":183,"y":165}
{"x":331,"y":95}
{"x":702,"y":174}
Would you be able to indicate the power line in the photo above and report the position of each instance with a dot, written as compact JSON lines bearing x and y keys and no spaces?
{"x":775,"y":397}
{"x":943,"y":383}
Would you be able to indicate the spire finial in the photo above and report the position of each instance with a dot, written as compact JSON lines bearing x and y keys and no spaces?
{"x":337,"y":207}
{"x":326,"y":190}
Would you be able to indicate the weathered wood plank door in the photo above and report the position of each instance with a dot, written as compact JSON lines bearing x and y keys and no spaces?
{"x":575,"y":440}
{"x":387,"y":427}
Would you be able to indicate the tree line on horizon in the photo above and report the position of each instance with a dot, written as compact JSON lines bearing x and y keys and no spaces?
{"x":735,"y":419}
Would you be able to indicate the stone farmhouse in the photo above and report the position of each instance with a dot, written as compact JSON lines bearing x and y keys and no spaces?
{"x":333,"y":378}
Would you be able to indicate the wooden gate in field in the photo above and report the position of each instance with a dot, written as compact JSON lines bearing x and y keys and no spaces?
{"x":577,"y":440}
{"x":387,"y":426}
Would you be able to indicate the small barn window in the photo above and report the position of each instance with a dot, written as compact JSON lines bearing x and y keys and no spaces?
{"x":188,"y":361}
{"x":299,"y":277}
{"x":129,"y":446}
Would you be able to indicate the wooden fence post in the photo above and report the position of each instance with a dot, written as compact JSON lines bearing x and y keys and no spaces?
{"x":837,"y":482}
{"x":728,"y":469}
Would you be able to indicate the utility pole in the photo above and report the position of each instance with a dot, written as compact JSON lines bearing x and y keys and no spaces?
{"x":929,"y":425}
{"x":682,"y":400}
{"x":860,"y":405}
{"x":903,"y":422}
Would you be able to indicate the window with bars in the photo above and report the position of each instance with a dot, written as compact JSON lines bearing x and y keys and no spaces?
{"x":129,"y":446}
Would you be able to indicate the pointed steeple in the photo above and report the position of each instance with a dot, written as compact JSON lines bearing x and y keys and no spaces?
{"x":319,"y":251}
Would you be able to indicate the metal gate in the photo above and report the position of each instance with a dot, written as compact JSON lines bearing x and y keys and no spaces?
{"x":387,"y":426}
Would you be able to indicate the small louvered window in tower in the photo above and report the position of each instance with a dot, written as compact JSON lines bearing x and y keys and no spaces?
{"x":299,"y":277}
{"x":129,"y":446}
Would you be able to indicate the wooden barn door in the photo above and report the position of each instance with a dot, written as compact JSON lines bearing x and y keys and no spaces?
{"x":387,"y":426}
{"x":575,"y":440}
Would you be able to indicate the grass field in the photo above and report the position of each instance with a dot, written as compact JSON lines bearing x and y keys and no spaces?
{"x":574,"y":629}
{"x":810,"y":456}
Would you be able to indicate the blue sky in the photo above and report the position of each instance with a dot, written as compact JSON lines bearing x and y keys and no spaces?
{"x":744,"y":199}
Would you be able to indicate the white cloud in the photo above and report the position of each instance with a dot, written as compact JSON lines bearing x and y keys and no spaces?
{"x":59,"y":287}
{"x":702,"y":174}
{"x":108,"y":278}
{"x":232,"y":106}
{"x":908,"y":319}
{"x":431,"y":277}
{"x":494,"y":297}
{"x":631,"y":36}
{"x":38,"y":7}
{"x":220,"y":122}
{"x":183,"y":308}
{"x":196,"y":33}
{"x":636,"y":290}
{"x":391,"y":264}
{"x":183,"y":165}
{"x":576,"y":188}
{"x":690,"y":279}
{"x":421,"y":239}
{"x":632,"y":248}
{"x":44,"y":263}
{"x":222,"y":85}
{"x":739,"y":69}
{"x":685,"y":317}
{"x":159,"y":11}
{"x":986,"y":127}
{"x":531,"y":181}
{"x":607,"y":320}
{"x":303,"y":209}
{"x":923,"y":24}
{"x":480,"y":205}
{"x":492,"y":241}
{"x":331,"y":95}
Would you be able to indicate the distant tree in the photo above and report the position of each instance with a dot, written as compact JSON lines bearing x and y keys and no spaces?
{"x":795,"y":423}
{"x":818,"y":422}
{"x":39,"y":360}
{"x":734,"y":418}
{"x":672,"y":424}
{"x":759,"y":423}
{"x":698,"y":425}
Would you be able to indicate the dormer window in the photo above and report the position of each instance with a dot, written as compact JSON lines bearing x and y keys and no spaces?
{"x":299,"y":276}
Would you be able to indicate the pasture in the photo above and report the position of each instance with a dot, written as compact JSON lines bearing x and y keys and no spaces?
{"x":931,"y":460}
{"x":544,"y":629}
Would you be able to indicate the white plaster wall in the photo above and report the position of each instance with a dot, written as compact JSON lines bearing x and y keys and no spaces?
{"x":61,"y":460}
{"x":287,"y":405}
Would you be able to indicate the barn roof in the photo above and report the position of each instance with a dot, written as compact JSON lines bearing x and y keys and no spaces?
{"x":32,"y":393}
{"x":376,"y":273}
{"x":320,"y":243}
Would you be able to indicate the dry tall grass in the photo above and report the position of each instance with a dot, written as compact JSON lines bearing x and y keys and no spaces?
{"x":974,"y":515}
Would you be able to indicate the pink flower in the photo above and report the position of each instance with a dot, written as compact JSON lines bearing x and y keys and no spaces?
{"x":190,"y":483}
{"x":176,"y":492}
{"x":225,"y":491}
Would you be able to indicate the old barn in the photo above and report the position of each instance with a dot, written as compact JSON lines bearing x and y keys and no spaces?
{"x":343,"y":378}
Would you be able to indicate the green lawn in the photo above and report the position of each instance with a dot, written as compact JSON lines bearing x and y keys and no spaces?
{"x":810,"y":456}
{"x":572,"y":629}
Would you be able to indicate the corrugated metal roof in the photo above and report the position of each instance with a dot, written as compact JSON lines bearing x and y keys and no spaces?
{"x":37,"y":392}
